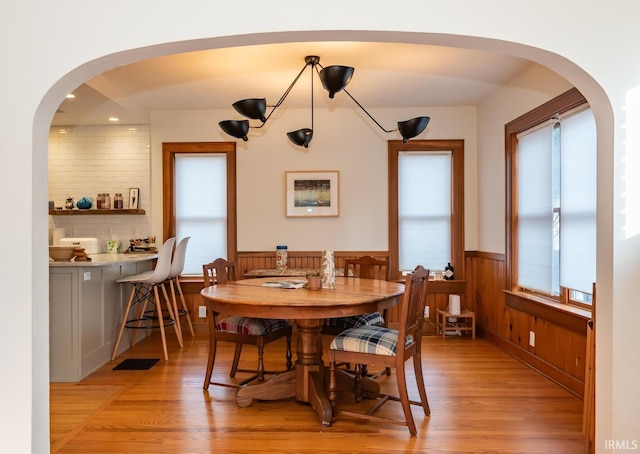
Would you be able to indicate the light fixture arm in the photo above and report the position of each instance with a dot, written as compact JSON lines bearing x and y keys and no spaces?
{"x":368,"y":114}
{"x":308,"y":61}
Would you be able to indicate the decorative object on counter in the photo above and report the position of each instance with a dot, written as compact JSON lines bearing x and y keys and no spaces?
{"x":68,"y":203}
{"x":61,"y":253}
{"x":134,"y":198}
{"x":142,"y":245}
{"x":438,"y":275}
{"x":334,"y":79}
{"x":113,"y":245}
{"x":282,"y":256}
{"x":79,"y":255}
{"x":118,"y":201}
{"x":313,"y":281}
{"x":448,"y":272}
{"x":328,"y":270}
{"x":84,"y":203}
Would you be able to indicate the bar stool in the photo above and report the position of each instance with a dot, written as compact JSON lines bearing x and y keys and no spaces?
{"x":146,"y":287}
{"x":177,"y":266}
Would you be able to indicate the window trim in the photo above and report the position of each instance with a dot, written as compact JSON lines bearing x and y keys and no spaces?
{"x":169,"y":152}
{"x":457,"y":200}
{"x":561,"y":104}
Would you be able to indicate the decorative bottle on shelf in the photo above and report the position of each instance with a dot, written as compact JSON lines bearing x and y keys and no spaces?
{"x":107,"y":202}
{"x":281,"y":257}
{"x":448,"y":272}
{"x":118,"y":201}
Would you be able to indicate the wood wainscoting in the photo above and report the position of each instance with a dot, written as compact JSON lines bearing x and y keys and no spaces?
{"x":560,"y":340}
{"x":560,"y":343}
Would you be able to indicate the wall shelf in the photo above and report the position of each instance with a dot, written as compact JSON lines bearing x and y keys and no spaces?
{"x":95,"y":212}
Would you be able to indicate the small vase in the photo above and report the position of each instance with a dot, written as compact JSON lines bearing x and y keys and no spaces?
{"x":313,"y":282}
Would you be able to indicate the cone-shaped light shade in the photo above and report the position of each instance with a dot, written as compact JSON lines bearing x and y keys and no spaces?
{"x":411,"y":128}
{"x":236,"y":128}
{"x":254,"y":108}
{"x":301,"y":137}
{"x":335,"y":78}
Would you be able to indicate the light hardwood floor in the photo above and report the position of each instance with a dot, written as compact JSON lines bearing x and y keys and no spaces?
{"x":482,"y":401}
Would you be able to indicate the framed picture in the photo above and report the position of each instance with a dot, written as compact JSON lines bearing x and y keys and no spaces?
{"x":314,"y":193}
{"x":134,"y":198}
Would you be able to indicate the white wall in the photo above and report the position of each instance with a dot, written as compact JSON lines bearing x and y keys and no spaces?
{"x":49,"y":50}
{"x":342,"y":141}
{"x":528,"y":90}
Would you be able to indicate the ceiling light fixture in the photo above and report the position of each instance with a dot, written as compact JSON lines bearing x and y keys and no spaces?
{"x":334,"y":79}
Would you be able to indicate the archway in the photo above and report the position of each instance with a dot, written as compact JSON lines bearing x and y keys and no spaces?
{"x":578,"y":77}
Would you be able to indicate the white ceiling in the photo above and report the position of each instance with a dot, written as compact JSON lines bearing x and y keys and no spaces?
{"x":386,"y":75}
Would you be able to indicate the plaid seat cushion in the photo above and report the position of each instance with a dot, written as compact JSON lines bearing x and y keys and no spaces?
{"x":372,"y":319}
{"x":249,"y":325}
{"x":369,"y":339}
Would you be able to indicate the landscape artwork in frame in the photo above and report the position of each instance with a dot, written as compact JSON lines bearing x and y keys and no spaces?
{"x":313,"y":193}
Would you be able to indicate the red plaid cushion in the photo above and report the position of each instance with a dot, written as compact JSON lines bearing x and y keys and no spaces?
{"x":249,"y":325}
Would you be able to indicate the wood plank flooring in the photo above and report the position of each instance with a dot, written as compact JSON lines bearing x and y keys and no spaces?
{"x":482,"y":401}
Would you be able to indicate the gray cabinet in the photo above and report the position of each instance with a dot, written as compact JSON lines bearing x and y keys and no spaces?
{"x":85,"y":310}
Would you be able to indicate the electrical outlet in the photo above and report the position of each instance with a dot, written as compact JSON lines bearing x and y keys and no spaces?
{"x":426,"y":312}
{"x":202,"y":311}
{"x":87,"y":275}
{"x":532,"y":338}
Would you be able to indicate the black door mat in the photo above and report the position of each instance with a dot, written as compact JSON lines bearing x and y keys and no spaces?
{"x":136,"y":364}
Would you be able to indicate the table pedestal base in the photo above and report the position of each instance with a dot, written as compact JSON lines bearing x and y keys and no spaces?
{"x":307,"y":382}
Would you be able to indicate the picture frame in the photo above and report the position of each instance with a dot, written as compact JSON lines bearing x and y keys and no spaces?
{"x":134,"y":198}
{"x":312,"y":193}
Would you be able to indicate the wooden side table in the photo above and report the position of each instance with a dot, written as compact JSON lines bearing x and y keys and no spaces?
{"x":441,"y":322}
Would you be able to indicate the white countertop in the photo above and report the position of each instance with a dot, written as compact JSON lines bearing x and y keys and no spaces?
{"x":109,"y":259}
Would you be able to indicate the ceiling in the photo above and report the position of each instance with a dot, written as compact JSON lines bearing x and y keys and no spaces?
{"x":386,"y":75}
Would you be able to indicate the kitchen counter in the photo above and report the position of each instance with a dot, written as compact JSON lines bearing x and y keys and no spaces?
{"x":86,"y":304}
{"x":110,"y":259}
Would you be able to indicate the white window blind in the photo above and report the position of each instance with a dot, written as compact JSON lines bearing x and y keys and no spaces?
{"x":535,"y":210}
{"x":201,"y":207}
{"x":578,"y":202}
{"x":557,"y":205}
{"x":424,"y":209}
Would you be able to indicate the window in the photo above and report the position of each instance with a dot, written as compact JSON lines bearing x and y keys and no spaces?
{"x":199,"y":200}
{"x":551,"y":159}
{"x":426,"y":204}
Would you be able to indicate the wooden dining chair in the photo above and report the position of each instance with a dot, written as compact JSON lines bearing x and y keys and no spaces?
{"x":390,"y":348}
{"x":239,"y":330}
{"x":366,"y":267}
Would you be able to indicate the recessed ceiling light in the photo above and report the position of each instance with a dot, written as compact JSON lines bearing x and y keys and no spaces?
{"x":114,"y":119}
{"x":70,"y":96}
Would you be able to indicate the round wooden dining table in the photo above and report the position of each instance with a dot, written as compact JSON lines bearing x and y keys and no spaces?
{"x":308,"y":308}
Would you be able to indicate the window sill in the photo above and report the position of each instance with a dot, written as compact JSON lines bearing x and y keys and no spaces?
{"x":564,"y":315}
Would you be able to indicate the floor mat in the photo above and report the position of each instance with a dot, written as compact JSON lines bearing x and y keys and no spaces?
{"x":136,"y":364}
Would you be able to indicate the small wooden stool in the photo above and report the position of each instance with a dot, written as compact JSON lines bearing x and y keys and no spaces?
{"x":441,"y":322}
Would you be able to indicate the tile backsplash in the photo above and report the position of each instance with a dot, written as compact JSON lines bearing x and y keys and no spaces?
{"x":85,"y":161}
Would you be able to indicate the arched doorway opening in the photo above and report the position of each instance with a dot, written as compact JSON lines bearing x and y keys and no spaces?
{"x":574,"y":74}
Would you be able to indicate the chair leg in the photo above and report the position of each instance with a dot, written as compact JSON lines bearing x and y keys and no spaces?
{"x":260,"y":346}
{"x":184,"y":307}
{"x":236,"y":360}
{"x":174,"y":302}
{"x":124,"y":322}
{"x":417,"y":366}
{"x":404,"y":399}
{"x":172,"y":314}
{"x":160,"y":321}
{"x":288,"y":354}
{"x":212,"y":350}
{"x":332,"y":388}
